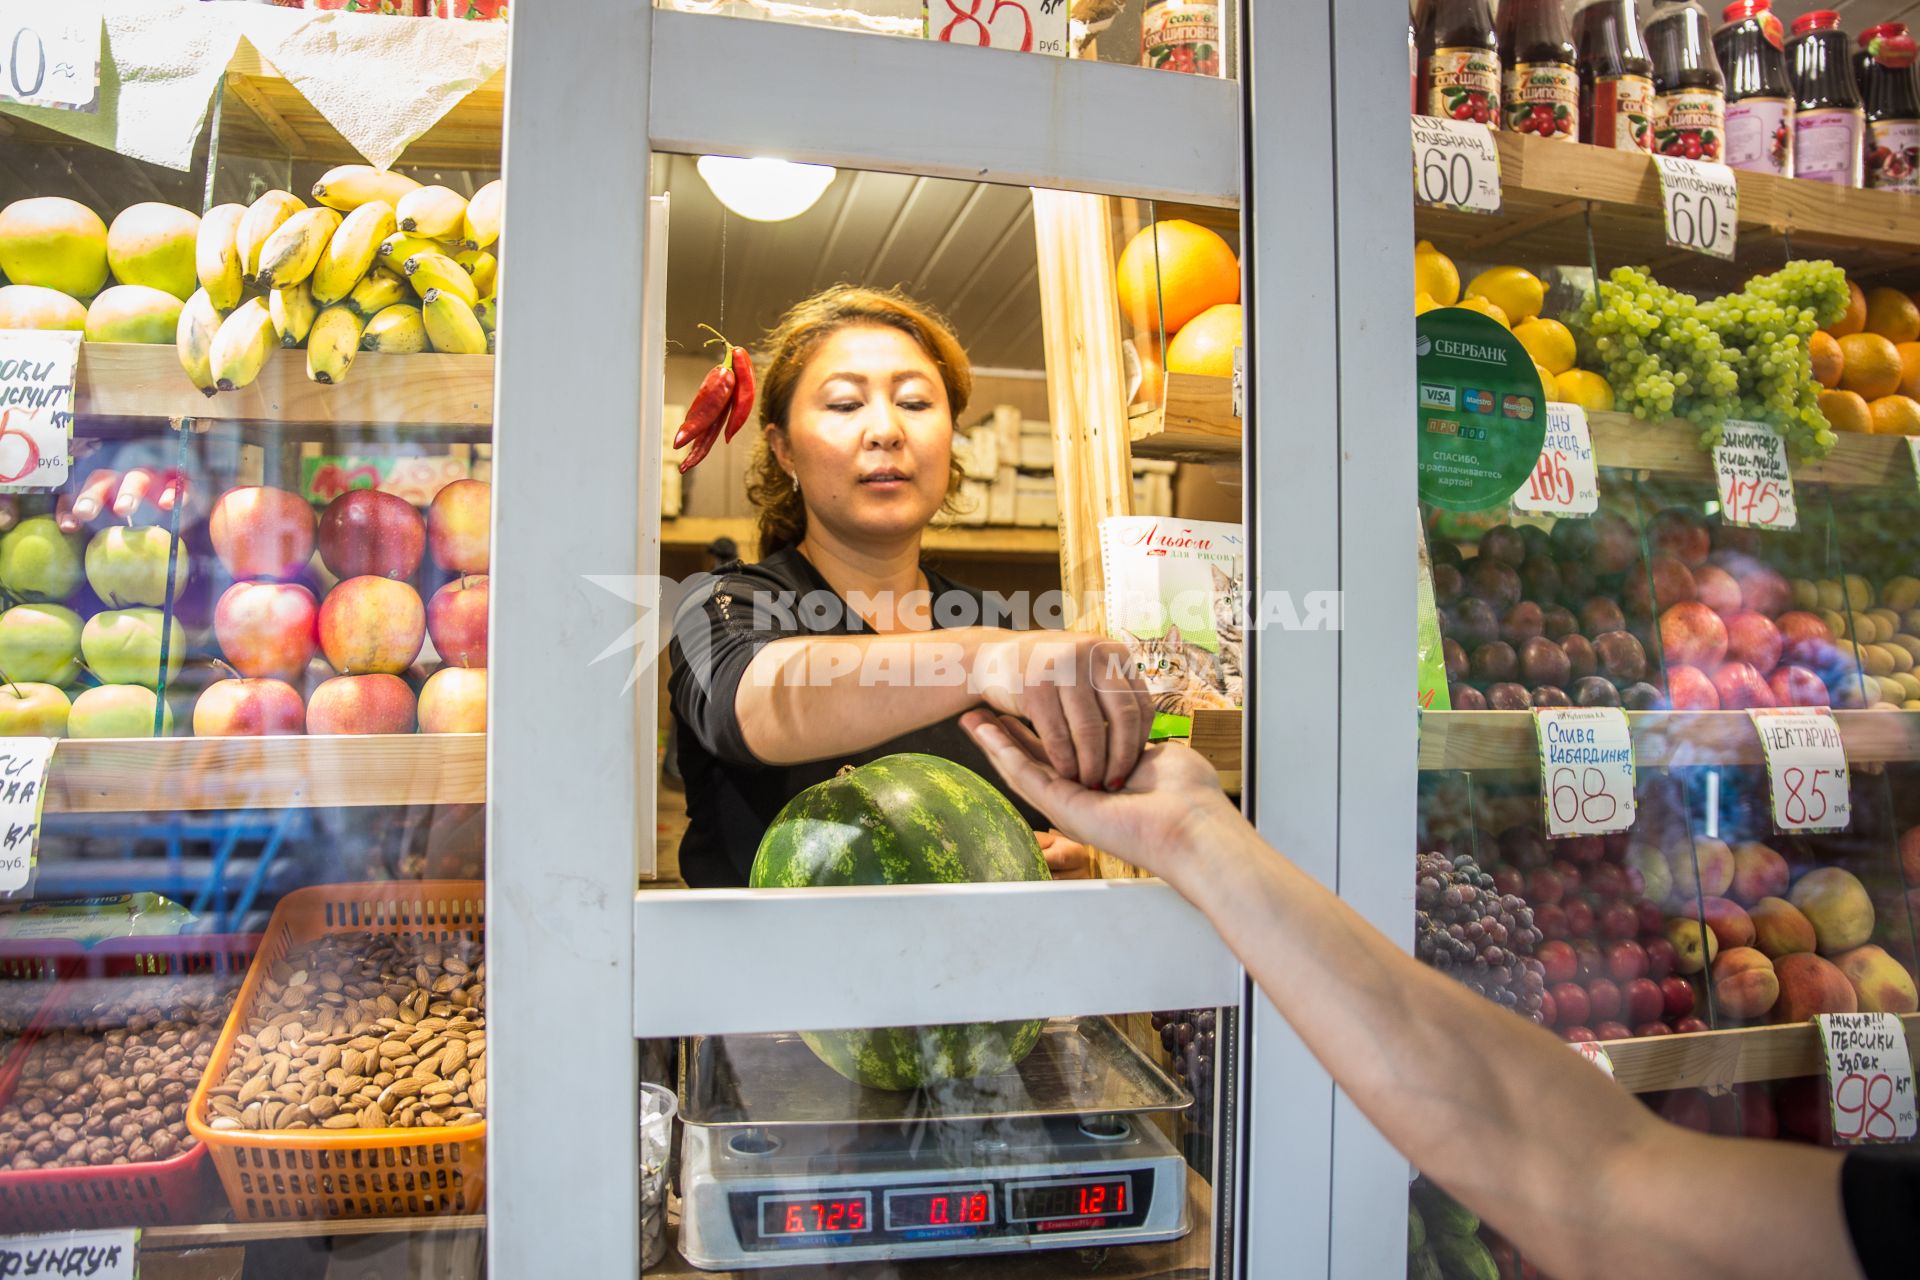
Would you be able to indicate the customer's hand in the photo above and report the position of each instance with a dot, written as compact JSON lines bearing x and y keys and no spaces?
{"x":1067,"y":858}
{"x":1089,"y":709}
{"x":1168,"y":797}
{"x":109,"y":495}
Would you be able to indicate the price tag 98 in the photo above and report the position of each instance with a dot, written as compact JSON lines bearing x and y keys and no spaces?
{"x":50,"y":53}
{"x":1701,"y":202}
{"x":1456,"y":165}
{"x":1869,"y":1077}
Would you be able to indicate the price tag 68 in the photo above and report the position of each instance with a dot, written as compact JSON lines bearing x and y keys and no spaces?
{"x":1564,"y":482}
{"x":1869,"y":1077}
{"x":1701,"y":203}
{"x":1456,"y":165}
{"x":1756,"y":488}
{"x":50,"y":53}
{"x":1806,"y":768}
{"x":1586,"y":770}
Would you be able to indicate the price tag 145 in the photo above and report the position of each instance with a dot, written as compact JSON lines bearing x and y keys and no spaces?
{"x":36,"y":408}
{"x":1756,"y":488}
{"x":1701,"y":203}
{"x":1456,"y":165}
{"x":1586,"y":770}
{"x":1025,"y":26}
{"x":1869,"y":1077}
{"x":50,"y":53}
{"x":1806,"y":768}
{"x":1564,"y":482}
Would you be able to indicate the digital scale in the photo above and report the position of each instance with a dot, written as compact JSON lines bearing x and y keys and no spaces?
{"x":784,"y":1162}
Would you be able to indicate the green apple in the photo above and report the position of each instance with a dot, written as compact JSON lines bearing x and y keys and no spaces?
{"x":127,"y":565}
{"x":114,"y":711}
{"x":40,"y":642}
{"x":29,"y":710}
{"x":122,"y":646}
{"x":38,"y":562}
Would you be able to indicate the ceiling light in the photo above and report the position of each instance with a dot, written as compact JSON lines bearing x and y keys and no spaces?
{"x":762,"y":189}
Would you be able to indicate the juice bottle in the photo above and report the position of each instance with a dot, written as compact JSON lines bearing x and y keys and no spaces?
{"x":1893,"y":111}
{"x":1690,"y":109}
{"x":1541,"y":84}
{"x":1616,"y":76}
{"x":1862,"y":58}
{"x":1828,"y":123}
{"x":1759,"y":91}
{"x":1459,"y":61}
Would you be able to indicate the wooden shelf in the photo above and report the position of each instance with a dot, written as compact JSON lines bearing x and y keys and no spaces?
{"x":1673,"y":449}
{"x":693,"y":533}
{"x":122,"y":775}
{"x":1195,"y":425}
{"x":1661,"y":739}
{"x":211,"y":1234}
{"x":1716,"y":1059}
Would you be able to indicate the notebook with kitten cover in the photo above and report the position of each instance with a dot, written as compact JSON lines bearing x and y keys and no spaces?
{"x":1176,"y":597}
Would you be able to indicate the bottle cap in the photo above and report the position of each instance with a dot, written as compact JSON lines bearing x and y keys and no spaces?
{"x":1744,"y":9}
{"x":1818,"y":20}
{"x":1878,"y":29}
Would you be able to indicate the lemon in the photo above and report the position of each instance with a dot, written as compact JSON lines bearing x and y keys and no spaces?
{"x":1423,"y":302}
{"x":1435,"y":275}
{"x":1549,"y":342}
{"x":1546,"y":379}
{"x":1515,"y":290}
{"x":1486,"y":308}
{"x":1588,"y":390}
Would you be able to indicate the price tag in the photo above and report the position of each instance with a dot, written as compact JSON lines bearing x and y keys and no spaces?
{"x":1806,"y":768}
{"x":1592,"y":1052}
{"x":1756,"y":488}
{"x":1586,"y":769}
{"x":1456,"y":165}
{"x":1701,"y":202}
{"x":23,"y":790}
{"x":50,"y":53}
{"x":1913,"y":448}
{"x":108,"y":1255}
{"x":1564,"y":482}
{"x":1869,"y":1077}
{"x":36,"y":408}
{"x":1026,"y":26}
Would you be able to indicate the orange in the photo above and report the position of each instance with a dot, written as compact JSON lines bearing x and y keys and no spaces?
{"x":1845,"y":411}
{"x":1180,"y":266}
{"x":1856,"y":317}
{"x":1827,"y":361}
{"x":1895,"y":416}
{"x":1909,"y":368}
{"x":1892,"y":315}
{"x":1205,"y":344}
{"x":1872,"y":365}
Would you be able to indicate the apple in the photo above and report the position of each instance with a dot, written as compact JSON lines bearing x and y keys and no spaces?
{"x":1619,"y":921}
{"x":31,"y":710}
{"x":372,"y":625}
{"x":1798,"y":687}
{"x":262,"y":532}
{"x":1644,"y":1000}
{"x":116,"y":711}
{"x":40,"y":643}
{"x":460,"y":526}
{"x":365,"y":532}
{"x":1753,"y":638}
{"x":127,"y":565}
{"x":1626,"y":960}
{"x":1577,"y":1035}
{"x":1739,"y":687}
{"x":457,"y":621}
{"x":1612,"y":1030}
{"x":248,"y":708}
{"x":1689,"y":1024}
{"x":1603,"y":998}
{"x":38,"y":562}
{"x":361,"y":704}
{"x":1677,"y":993}
{"x":454,"y":700}
{"x":1644,"y":1029}
{"x":122,"y":646}
{"x":1558,"y":960}
{"x":1570,"y":1000}
{"x":267,"y":630}
{"x":1693,"y":635}
{"x":1579,"y":918}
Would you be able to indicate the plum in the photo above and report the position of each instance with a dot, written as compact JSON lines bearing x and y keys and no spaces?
{"x":1540,"y":578}
{"x":1622,"y":658}
{"x":1542,"y":662}
{"x":1444,"y":552}
{"x":1495,"y":581}
{"x":1558,"y":622}
{"x":1504,"y":543}
{"x":1448,"y":583}
{"x":1495,"y":662}
{"x":1508,"y":696}
{"x":1582,"y":661}
{"x":1523,"y":622}
{"x":1539,"y":543}
{"x":1616,"y":546}
{"x":1551,"y":696}
{"x":1642,"y":697}
{"x":1578,"y":581}
{"x":1523,"y":846}
{"x":1573,"y":539}
{"x":1455,"y":659}
{"x":1474,"y":623}
{"x":1464,"y":697}
{"x":1600,"y":614}
{"x":1593,"y":691}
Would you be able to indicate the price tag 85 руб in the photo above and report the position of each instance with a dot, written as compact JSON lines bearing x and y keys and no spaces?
{"x":1806,"y":768}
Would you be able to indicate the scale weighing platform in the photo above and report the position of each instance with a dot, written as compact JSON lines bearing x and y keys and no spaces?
{"x":784,"y":1162}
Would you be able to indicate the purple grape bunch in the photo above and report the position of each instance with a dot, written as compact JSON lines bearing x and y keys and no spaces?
{"x":1467,"y":929}
{"x":1188,"y":1037}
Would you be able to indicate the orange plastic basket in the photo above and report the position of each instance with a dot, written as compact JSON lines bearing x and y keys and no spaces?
{"x":348,"y":1173}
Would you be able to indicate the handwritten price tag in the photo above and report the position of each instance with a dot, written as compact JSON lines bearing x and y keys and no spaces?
{"x":109,"y":1255}
{"x":1565,"y":482}
{"x":1701,"y":202}
{"x":23,"y":789}
{"x":1756,"y":488}
{"x":1913,"y":448}
{"x":1592,"y":1052}
{"x":1026,"y":26}
{"x":1869,"y":1077}
{"x":1456,"y":165}
{"x":50,"y":53}
{"x":1586,"y":769}
{"x":1806,"y":768}
{"x":36,"y":408}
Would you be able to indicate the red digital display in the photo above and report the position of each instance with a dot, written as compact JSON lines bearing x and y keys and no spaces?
{"x":785,"y":1217}
{"x":1094,"y":1198}
{"x":941,"y":1207}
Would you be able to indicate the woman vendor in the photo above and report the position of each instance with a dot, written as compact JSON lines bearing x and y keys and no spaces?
{"x":839,"y":647}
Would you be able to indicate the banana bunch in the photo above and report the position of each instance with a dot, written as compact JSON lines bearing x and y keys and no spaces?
{"x":379,"y":263}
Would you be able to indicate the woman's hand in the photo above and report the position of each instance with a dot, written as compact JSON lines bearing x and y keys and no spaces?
{"x":1067,"y":858}
{"x":117,"y":495}
{"x":1089,"y":708}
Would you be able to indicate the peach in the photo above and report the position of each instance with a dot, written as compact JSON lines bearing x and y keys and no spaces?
{"x":1744,"y":984}
{"x":1688,"y":689}
{"x":1704,"y":870}
{"x":1881,"y":983}
{"x":1730,"y":923}
{"x":1694,"y":945}
{"x":1739,"y":687}
{"x":1693,"y":635}
{"x":1810,"y":985}
{"x":1758,"y":872}
{"x":1798,"y":687}
{"x":1752,"y":638}
{"x":1779,"y":929}
{"x":1837,"y":904}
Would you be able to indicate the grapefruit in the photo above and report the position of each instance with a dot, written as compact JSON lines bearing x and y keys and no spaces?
{"x":54,"y":242}
{"x":1176,"y":269}
{"x":1205,"y":344}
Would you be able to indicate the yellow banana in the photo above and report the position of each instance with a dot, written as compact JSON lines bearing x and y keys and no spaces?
{"x":380,"y":290}
{"x":349,"y":253}
{"x":481,"y":265}
{"x":331,"y":344}
{"x":437,"y":271}
{"x":241,"y":346}
{"x":216,"y":255}
{"x":349,"y":186}
{"x":193,"y":338}
{"x":487,"y":312}
{"x":451,"y":324}
{"x":396,"y":329}
{"x":400,"y":246}
{"x":435,"y":212}
{"x":291,"y":252}
{"x":293,"y":309}
{"x":264,"y":217}
{"x":481,"y":226}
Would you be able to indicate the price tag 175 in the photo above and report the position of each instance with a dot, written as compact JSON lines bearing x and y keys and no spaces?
{"x":36,"y":408}
{"x":1701,"y":203}
{"x":1869,"y":1077}
{"x":1456,"y":165}
{"x":103,"y":1255}
{"x":1756,"y":488}
{"x":1586,"y":770}
{"x":50,"y":53}
{"x":1564,"y":482}
{"x":1025,"y":26}
{"x":1806,"y":768}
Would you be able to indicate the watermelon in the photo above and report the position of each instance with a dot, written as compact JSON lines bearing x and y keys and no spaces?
{"x":905,"y":819}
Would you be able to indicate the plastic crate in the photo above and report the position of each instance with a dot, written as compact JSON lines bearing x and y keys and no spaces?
{"x":273,"y":1176}
{"x":131,"y":1195}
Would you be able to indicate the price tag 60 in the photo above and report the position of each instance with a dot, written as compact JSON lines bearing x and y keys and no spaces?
{"x":1025,"y":26}
{"x":1564,"y":482}
{"x":36,"y":408}
{"x":1701,"y":203}
{"x":1806,"y":768}
{"x":1456,"y":164}
{"x":50,"y":53}
{"x":1869,"y":1077}
{"x":1756,"y":488}
{"x":1586,"y":770}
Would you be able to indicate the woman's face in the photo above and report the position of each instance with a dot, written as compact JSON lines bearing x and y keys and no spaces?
{"x":869,"y":434}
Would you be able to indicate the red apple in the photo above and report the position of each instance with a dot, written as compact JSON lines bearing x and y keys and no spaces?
{"x":1653,"y":922}
{"x":1549,"y":1011}
{"x":1558,"y":960}
{"x":361,"y":704}
{"x":1571,"y":1001}
{"x":460,"y":525}
{"x":1619,"y":921}
{"x":1715,"y":588}
{"x":261,"y":532}
{"x":1551,"y":921}
{"x":248,"y":708}
{"x":1577,"y":1035}
{"x":1740,"y":687}
{"x":1644,"y":1029}
{"x":1644,"y":999}
{"x":1626,"y":960}
{"x":1752,"y":638}
{"x":1544,"y":888}
{"x":267,"y":629}
{"x":1690,"y":1024}
{"x":457,"y":621}
{"x":365,"y":532}
{"x":1587,"y":960}
{"x":372,"y":625}
{"x":1583,"y":850}
{"x":1689,"y":1109}
{"x":454,"y":700}
{"x":1612,"y":1030}
{"x":1677,"y":992}
{"x":1798,"y":687}
{"x":1579,"y":918}
{"x":1603,"y":998}
{"x":1692,"y":635}
{"x":1757,"y":1117}
{"x":1806,"y":640}
{"x":1660,"y":957}
{"x":1690,"y":690}
{"x":1608,"y":882}
{"x":1682,"y":534}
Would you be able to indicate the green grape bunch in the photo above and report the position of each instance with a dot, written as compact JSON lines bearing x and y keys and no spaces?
{"x":1767,"y":325}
